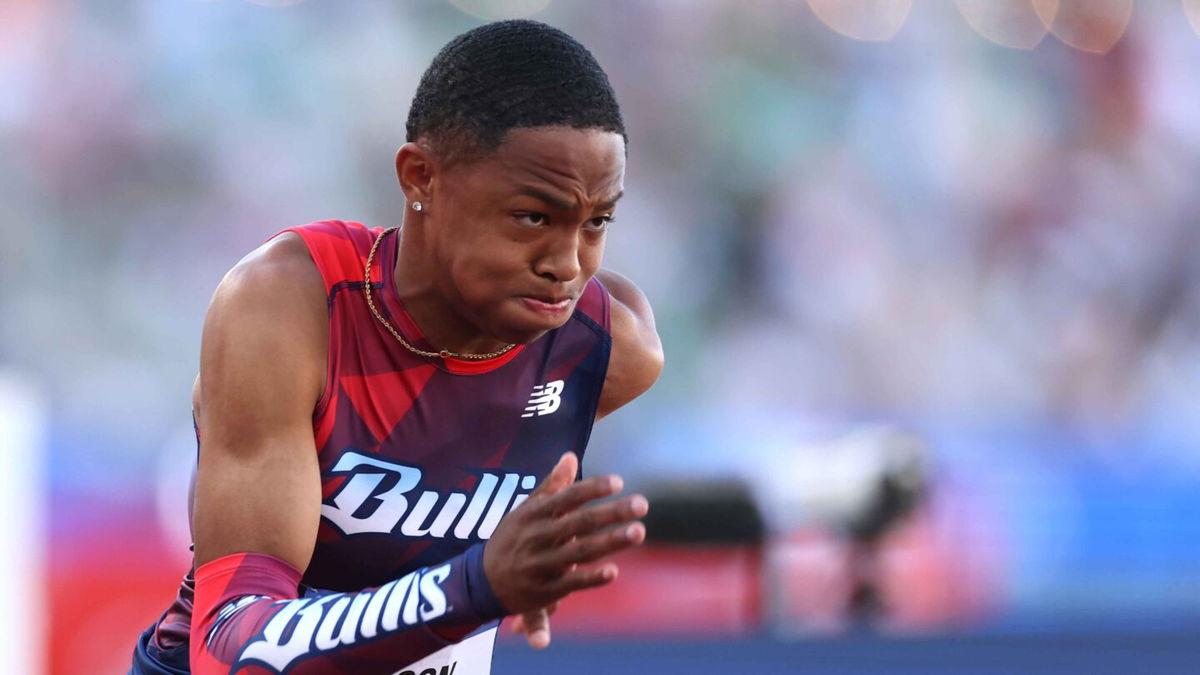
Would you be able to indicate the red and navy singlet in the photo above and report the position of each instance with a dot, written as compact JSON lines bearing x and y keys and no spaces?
{"x":420,"y":457}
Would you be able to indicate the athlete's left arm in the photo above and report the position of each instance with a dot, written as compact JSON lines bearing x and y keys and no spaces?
{"x":637,"y":353}
{"x":634,"y":365}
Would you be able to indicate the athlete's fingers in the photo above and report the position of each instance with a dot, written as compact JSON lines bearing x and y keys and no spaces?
{"x":586,"y":520}
{"x":536,"y":626}
{"x":518,"y":623}
{"x":574,"y":496}
{"x":584,"y":578}
{"x":583,"y":550}
{"x":560,"y":477}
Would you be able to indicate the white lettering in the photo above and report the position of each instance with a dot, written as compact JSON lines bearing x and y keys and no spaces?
{"x":350,"y":625}
{"x":314,"y":621}
{"x":483,"y":492}
{"x":325,"y":639}
{"x":411,"y":602}
{"x":270,"y":650}
{"x":420,"y":513}
{"x":361,"y":486}
{"x":503,"y":495}
{"x":370,"y":620}
{"x":431,"y":592}
{"x":360,"y":507}
{"x":450,"y":510}
{"x":228,"y":611}
{"x":391,"y":612}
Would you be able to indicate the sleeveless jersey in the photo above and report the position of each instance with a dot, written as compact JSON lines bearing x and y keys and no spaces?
{"x":420,"y":457}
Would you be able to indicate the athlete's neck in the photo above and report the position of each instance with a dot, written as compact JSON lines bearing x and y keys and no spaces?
{"x":438,"y":318}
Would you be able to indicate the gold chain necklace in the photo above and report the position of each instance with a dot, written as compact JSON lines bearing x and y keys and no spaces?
{"x":396,"y":334}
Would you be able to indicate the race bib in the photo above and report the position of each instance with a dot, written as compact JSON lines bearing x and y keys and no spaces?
{"x":472,"y":656}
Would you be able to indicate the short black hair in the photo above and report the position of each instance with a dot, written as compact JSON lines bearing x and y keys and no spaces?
{"x":509,"y":75}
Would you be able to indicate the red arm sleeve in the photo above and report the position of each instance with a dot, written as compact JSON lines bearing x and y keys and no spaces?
{"x":248,"y":618}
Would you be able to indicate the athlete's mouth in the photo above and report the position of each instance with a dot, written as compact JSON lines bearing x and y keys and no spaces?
{"x":547,"y":304}
{"x":551,"y":299}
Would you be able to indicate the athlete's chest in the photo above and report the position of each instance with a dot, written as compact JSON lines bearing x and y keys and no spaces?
{"x":418,"y":463}
{"x":458,"y":456}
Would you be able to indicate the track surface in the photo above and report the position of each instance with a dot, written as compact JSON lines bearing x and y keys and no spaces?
{"x":1159,"y":654}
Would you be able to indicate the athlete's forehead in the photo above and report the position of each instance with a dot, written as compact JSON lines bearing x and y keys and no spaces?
{"x":565,"y":167}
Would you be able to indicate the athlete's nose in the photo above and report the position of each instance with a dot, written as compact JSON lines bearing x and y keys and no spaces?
{"x":560,"y":259}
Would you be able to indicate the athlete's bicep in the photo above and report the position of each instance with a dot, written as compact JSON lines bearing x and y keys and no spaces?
{"x":637,"y":354}
{"x":261,"y":373}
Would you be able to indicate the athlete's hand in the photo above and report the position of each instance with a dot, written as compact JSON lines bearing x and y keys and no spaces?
{"x":537,"y":554}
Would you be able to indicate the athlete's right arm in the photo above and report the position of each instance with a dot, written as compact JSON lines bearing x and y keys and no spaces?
{"x":258,"y":499}
{"x":262,"y":370}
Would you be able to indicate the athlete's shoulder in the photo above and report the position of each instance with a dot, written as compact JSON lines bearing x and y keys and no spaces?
{"x":265,"y":331}
{"x":337,"y":248}
{"x":281,"y":263}
{"x":637,"y":354}
{"x":333,"y":231}
{"x":276,"y":282}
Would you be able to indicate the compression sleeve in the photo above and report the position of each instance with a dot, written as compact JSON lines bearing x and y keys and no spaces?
{"x":248,"y":617}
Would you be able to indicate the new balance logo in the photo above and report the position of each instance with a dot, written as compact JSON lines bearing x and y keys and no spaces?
{"x":545,"y":399}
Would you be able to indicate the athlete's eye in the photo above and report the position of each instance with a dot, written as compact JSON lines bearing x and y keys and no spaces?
{"x":601,"y":223}
{"x":532,"y":219}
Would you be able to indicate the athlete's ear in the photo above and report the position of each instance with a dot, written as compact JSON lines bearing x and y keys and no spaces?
{"x":415,"y":166}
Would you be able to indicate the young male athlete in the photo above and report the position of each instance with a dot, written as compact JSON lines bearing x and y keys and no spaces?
{"x":374,"y":406}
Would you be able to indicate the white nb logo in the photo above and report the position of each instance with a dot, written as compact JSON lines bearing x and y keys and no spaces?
{"x":545,"y":399}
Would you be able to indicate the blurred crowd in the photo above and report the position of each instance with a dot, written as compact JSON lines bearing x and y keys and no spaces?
{"x":929,"y":231}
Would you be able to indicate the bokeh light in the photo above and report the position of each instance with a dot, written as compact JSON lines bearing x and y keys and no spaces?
{"x":1010,"y":23}
{"x":23,"y":22}
{"x":1087,"y":25}
{"x":493,"y":10}
{"x":870,"y":20}
{"x":1192,"y":9}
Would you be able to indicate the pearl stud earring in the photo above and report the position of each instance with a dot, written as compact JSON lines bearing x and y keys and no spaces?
{"x":417,"y":206}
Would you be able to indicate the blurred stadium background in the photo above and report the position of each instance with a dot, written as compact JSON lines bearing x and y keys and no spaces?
{"x":927,"y":272}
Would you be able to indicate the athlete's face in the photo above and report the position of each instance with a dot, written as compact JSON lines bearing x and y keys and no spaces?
{"x":519,"y":233}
